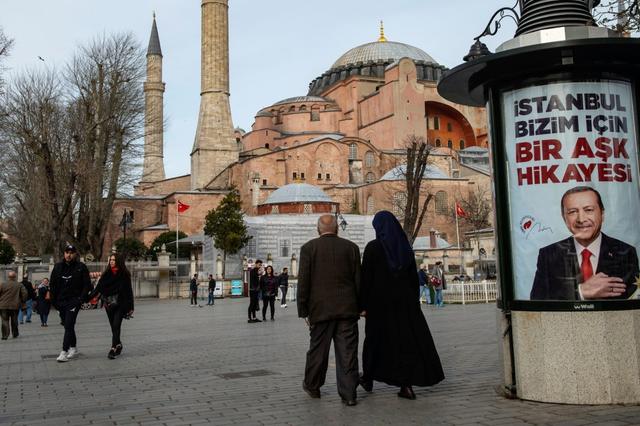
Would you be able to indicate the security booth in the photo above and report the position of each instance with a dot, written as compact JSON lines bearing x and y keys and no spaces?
{"x":561,"y":97}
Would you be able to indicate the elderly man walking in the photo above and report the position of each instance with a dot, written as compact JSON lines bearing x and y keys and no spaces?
{"x":328,"y":290}
{"x":12,"y":296}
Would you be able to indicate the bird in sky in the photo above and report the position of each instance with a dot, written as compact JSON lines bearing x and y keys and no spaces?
{"x":41,"y":58}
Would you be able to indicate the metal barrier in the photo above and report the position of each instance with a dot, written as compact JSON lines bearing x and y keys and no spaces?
{"x":471,"y":292}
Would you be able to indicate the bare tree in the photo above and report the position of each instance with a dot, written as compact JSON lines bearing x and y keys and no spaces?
{"x":6,"y":44}
{"x":36,"y":149}
{"x":107,"y":115}
{"x":620,"y":15}
{"x":477,"y":207}
{"x":70,"y":143}
{"x":417,"y":197}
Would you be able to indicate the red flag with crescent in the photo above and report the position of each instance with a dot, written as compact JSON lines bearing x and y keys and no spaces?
{"x":182,"y":207}
{"x":459,"y":211}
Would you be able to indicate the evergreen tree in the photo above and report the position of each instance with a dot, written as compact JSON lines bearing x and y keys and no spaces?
{"x":169,"y":240}
{"x":133,"y":248}
{"x":7,"y":253}
{"x":225,"y":225}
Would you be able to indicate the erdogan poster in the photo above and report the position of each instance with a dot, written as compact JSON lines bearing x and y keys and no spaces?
{"x":574,"y":194}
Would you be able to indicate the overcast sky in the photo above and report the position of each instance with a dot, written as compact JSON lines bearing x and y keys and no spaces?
{"x":276,"y":47}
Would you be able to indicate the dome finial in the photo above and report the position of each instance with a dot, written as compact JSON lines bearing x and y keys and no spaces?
{"x":382,"y":38}
{"x":154,"y":15}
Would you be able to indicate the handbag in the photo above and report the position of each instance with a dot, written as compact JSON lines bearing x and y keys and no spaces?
{"x":110,"y":301}
{"x":47,"y":296}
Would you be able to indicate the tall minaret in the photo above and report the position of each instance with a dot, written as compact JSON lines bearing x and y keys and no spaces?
{"x":214,"y":147}
{"x":153,"y":121}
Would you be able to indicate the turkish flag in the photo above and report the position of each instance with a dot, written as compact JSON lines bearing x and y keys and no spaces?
{"x":182,"y":207}
{"x":459,"y":211}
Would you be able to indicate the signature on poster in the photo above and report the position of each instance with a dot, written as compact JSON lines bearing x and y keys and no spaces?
{"x":530,"y":226}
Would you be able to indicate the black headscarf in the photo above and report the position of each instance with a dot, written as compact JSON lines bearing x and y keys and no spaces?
{"x":394,"y":241}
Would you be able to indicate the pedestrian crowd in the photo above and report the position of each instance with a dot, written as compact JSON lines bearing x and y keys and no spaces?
{"x":336,"y":287}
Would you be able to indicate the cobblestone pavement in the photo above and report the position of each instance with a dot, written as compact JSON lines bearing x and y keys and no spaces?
{"x":183,"y":365}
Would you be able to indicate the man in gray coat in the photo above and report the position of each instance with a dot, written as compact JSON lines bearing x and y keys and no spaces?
{"x":12,"y":296}
{"x":328,"y":290}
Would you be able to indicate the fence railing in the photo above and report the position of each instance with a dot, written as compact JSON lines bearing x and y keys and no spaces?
{"x":471,"y":292}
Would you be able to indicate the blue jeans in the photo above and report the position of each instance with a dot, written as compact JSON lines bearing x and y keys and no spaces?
{"x":439,"y":301}
{"x":29,"y":311}
{"x":424,"y":290}
{"x":210,"y":302}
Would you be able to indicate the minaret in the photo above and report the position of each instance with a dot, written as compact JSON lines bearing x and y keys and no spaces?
{"x":153,"y":169}
{"x":214,"y":147}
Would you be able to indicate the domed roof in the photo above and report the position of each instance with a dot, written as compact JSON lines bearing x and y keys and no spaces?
{"x":302,"y":99}
{"x":298,"y":193}
{"x":398,"y":173}
{"x":382,"y":50}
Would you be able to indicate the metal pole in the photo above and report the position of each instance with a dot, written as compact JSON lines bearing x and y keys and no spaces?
{"x":177,"y":225}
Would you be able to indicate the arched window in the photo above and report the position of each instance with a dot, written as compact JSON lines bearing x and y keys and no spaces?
{"x":370,"y":177}
{"x":369,"y":159}
{"x":399,"y":204}
{"x":370,"y":207}
{"x":461,"y":144}
{"x":303,"y":107}
{"x":353,"y":151}
{"x":442,"y":203}
{"x":450,"y":144}
{"x":438,"y":144}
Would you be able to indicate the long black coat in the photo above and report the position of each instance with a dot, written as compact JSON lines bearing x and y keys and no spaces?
{"x":120,"y":285}
{"x":398,"y":348}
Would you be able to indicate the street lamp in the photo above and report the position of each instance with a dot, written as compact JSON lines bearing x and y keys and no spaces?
{"x":124,"y":223}
{"x":341,"y":221}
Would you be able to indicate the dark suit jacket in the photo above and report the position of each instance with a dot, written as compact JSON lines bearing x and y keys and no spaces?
{"x":558,"y":272}
{"x":328,"y":279}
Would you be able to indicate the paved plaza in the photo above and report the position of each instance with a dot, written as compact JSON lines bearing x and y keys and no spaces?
{"x":183,"y":365}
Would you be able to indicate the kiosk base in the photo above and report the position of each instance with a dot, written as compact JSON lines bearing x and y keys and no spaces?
{"x":577,"y":357}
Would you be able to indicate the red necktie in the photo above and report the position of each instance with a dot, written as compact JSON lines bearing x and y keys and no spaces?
{"x":587,"y":269}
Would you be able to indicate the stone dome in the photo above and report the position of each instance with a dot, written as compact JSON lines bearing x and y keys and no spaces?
{"x":381,"y":51}
{"x":430,"y":172}
{"x":302,"y":99}
{"x":298,"y":193}
{"x":371,"y":60}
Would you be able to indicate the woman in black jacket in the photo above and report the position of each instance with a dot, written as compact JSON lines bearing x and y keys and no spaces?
{"x":269,"y":287}
{"x":116,"y":294}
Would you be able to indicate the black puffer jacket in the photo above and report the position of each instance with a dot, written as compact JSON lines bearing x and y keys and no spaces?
{"x":70,"y":283}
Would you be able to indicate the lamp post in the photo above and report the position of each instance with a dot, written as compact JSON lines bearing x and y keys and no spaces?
{"x":557,"y":94}
{"x":124,"y":223}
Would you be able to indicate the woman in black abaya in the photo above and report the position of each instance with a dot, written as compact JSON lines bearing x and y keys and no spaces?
{"x":398,"y":348}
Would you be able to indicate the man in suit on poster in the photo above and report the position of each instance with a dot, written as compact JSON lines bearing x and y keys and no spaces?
{"x":588,"y":265}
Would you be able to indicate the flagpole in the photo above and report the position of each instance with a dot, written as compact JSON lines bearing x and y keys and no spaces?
{"x":177,"y":225}
{"x":455,"y":213}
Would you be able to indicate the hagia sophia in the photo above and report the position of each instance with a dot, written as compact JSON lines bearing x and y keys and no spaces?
{"x":338,"y":148}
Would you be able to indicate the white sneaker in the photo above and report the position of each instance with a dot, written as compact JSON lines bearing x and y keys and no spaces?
{"x":63,"y":357}
{"x":73,"y":352}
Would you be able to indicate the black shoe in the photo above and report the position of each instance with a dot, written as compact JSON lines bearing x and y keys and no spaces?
{"x":273,"y":319}
{"x":406,"y":392}
{"x":313,"y":393}
{"x":366,"y":384}
{"x":256,"y":320}
{"x":4,"y":338}
{"x":118,"y":349}
{"x":349,"y":402}
{"x":111,"y":354}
